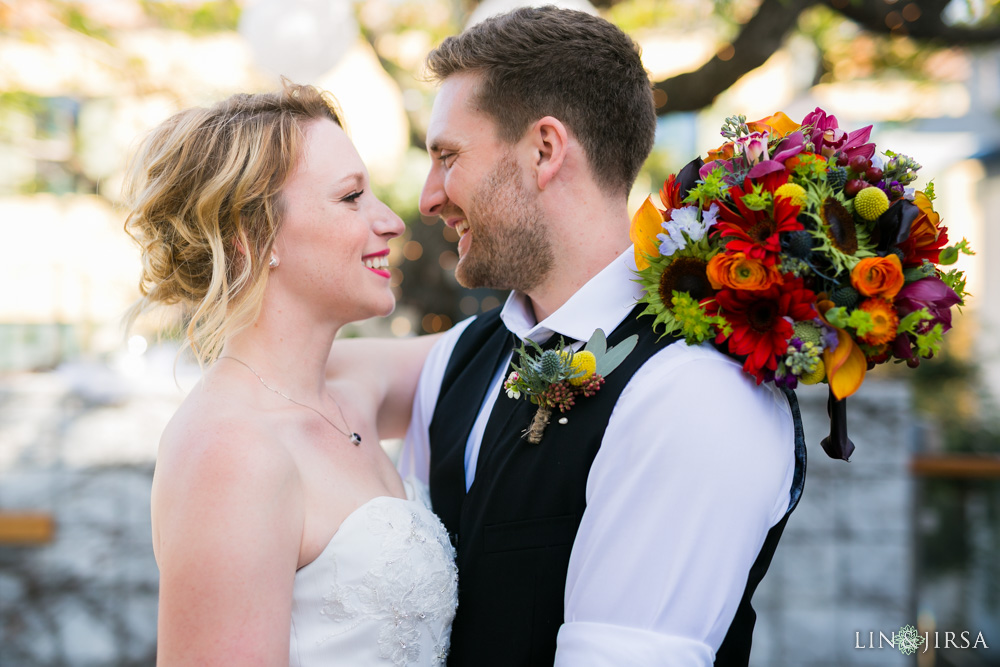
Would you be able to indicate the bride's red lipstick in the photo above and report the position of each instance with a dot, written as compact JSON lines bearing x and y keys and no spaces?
{"x":384,"y":272}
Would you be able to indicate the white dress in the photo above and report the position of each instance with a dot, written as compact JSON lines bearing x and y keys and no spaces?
{"x":382,"y":593}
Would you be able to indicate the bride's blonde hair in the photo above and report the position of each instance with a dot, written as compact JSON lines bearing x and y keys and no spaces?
{"x":204,"y":198}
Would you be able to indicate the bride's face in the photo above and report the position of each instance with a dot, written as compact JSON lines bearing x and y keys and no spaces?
{"x":333,"y":244}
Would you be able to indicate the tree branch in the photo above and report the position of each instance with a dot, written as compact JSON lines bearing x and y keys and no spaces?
{"x":924,"y":24}
{"x":766,"y":31}
{"x":757,"y":41}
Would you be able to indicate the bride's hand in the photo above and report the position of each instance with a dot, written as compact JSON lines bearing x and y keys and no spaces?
{"x":386,"y":369}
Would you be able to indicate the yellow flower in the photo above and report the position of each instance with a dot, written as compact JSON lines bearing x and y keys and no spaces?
{"x":818,"y":374}
{"x":870,"y":203}
{"x":582,"y":361}
{"x":792,"y":191}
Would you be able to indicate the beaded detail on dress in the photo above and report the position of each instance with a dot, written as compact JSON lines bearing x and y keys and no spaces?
{"x":383,"y":592}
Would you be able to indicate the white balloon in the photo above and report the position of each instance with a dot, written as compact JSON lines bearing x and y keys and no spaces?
{"x":299,"y":39}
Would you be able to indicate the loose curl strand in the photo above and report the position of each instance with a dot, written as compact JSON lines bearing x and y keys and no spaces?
{"x":204,"y":198}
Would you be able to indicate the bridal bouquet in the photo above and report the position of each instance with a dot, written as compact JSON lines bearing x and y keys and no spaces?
{"x":799,"y":250}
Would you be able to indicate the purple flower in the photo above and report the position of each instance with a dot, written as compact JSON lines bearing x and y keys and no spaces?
{"x":829,"y":139}
{"x":931,"y":294}
{"x":789,"y":147}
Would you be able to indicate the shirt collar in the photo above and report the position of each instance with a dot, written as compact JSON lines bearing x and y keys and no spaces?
{"x":602,"y":303}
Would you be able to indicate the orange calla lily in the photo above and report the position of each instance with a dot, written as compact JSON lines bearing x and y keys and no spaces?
{"x":846,"y":366}
{"x":646,"y":224}
{"x":723,"y":152}
{"x":778,"y":123}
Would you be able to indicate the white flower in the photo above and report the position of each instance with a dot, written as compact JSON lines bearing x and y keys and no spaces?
{"x":686,"y":224}
{"x":709,"y":218}
{"x":671,"y":243}
{"x":510,"y":385}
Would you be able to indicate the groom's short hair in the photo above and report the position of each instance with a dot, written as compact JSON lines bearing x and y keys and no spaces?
{"x":579,"y":68}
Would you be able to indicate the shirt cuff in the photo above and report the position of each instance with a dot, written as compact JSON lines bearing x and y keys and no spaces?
{"x":582,"y":644}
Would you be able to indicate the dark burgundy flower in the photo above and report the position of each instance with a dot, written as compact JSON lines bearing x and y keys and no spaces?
{"x":932,"y":294}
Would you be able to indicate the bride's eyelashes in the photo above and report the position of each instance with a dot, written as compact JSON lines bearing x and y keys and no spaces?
{"x":353,"y":197}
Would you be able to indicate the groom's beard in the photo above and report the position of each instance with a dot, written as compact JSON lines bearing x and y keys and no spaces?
{"x":510,"y":246}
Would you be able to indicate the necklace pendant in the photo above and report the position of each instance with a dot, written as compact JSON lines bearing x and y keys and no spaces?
{"x":355,"y":439}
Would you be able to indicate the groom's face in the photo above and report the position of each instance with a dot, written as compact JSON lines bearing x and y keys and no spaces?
{"x":478,"y":188}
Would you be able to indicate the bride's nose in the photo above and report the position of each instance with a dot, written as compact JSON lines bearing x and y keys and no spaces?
{"x":388,"y":224}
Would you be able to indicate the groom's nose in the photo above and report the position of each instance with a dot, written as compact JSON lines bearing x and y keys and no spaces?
{"x":432,"y":197}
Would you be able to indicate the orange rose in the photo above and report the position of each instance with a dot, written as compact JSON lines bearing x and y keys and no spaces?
{"x":878,"y":276}
{"x":737,"y":271}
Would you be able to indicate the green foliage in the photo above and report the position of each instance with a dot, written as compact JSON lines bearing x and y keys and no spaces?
{"x":695,"y":324}
{"x":929,"y":343}
{"x":204,"y":17}
{"x":950,"y":254}
{"x":955,"y":279}
{"x":758,"y":200}
{"x":856,"y":319}
{"x":76,"y":20}
{"x":713,"y":187}
{"x":911,"y":322}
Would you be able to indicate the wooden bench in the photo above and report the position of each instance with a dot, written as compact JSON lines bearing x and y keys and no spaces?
{"x":965,"y":466}
{"x":26,"y":528}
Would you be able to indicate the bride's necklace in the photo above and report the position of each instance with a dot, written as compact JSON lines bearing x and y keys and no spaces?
{"x":353,"y":437}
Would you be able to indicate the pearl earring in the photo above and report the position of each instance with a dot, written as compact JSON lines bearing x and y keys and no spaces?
{"x":273,"y":263}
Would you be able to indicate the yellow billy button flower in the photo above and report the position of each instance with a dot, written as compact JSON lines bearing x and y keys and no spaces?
{"x":792,"y":191}
{"x":582,"y":361}
{"x":870,"y":203}
{"x":817,"y":375}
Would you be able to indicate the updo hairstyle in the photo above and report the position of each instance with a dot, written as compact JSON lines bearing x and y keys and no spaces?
{"x":204,"y":198}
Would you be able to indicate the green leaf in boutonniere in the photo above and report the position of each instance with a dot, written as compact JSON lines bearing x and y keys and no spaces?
{"x":555,"y":378}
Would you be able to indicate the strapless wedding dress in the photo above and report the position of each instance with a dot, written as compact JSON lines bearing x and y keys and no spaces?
{"x":382,"y":593}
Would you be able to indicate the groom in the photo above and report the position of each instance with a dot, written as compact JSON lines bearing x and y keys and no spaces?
{"x":636,"y":531}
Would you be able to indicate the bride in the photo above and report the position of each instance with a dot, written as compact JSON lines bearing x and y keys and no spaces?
{"x":281,"y":529}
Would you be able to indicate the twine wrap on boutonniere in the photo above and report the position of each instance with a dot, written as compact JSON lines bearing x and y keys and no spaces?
{"x":555,"y":378}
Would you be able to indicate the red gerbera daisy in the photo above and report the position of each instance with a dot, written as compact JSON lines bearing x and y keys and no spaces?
{"x":755,"y":233}
{"x":762,"y":321}
{"x":670,"y":193}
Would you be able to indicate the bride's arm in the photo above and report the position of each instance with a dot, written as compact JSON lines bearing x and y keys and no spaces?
{"x":388,"y":368}
{"x":227,"y":523}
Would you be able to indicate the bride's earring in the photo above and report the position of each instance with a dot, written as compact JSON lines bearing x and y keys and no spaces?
{"x":273,"y":263}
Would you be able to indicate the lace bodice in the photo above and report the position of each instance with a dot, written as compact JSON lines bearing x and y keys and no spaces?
{"x":382,"y":593}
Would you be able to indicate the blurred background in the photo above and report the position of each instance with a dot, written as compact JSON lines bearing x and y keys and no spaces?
{"x":908,"y":533}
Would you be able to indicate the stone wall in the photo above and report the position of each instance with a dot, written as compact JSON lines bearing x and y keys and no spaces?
{"x":845,"y":561}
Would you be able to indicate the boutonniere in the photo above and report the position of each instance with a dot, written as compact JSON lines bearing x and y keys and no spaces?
{"x":555,"y":378}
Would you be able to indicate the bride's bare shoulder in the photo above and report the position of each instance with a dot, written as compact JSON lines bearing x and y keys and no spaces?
{"x":216,"y":432}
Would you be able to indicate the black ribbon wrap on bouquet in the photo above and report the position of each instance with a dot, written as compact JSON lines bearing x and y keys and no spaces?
{"x":837,"y":445}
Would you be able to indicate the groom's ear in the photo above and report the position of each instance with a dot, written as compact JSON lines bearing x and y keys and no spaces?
{"x":549,"y":141}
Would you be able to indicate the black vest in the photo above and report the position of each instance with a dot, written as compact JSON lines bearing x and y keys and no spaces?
{"x":514,"y":529}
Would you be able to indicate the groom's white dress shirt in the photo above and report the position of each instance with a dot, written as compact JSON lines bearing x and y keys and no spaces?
{"x":694,"y":468}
